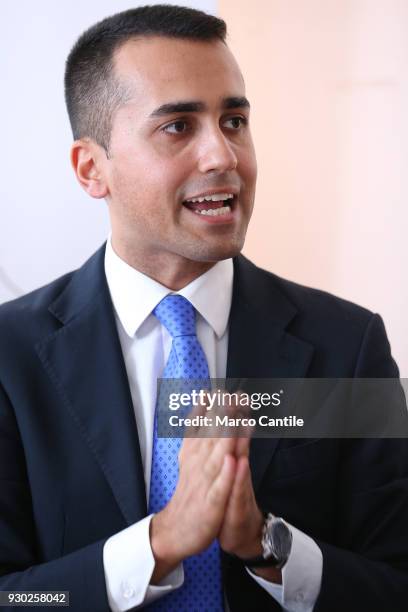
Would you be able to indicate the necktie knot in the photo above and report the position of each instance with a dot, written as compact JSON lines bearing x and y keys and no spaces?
{"x":177,"y":315}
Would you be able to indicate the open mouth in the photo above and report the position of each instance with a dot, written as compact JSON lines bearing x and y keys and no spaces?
{"x":214,"y":205}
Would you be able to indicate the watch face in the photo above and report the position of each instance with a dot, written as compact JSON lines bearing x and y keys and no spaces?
{"x":281,"y":537}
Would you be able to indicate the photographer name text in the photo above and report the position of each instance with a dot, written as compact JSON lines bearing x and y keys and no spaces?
{"x":227,"y":421}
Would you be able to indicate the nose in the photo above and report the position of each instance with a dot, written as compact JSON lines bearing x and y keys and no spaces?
{"x":216,"y":153}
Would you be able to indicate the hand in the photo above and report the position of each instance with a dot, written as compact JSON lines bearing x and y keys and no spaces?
{"x":241,"y":530}
{"x":192,"y":518}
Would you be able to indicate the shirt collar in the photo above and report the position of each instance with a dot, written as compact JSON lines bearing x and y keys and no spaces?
{"x":135,"y":295}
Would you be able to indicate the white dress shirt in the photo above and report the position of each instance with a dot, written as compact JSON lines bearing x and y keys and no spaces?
{"x":127,"y":556}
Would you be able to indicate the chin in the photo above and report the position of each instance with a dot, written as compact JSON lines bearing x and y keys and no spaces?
{"x":212,"y":254}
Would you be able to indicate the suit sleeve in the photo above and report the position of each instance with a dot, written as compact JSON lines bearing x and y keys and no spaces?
{"x":366,"y":565}
{"x":81,"y":572}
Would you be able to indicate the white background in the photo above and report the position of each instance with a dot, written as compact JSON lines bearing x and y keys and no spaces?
{"x":48,"y":224}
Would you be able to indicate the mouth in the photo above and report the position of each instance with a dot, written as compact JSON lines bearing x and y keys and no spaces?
{"x":215,"y":205}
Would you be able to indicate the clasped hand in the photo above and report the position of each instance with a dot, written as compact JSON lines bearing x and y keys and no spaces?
{"x":214,"y":498}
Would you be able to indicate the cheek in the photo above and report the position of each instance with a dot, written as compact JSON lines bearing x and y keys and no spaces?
{"x":166,"y":178}
{"x":248,"y":166}
{"x":252,"y":164}
{"x":146,"y":194}
{"x":147,"y":180}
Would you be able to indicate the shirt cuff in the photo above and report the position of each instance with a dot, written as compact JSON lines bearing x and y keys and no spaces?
{"x":129,"y":563}
{"x":301,"y":575}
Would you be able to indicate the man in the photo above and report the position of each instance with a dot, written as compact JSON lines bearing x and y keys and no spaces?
{"x":161,"y":125}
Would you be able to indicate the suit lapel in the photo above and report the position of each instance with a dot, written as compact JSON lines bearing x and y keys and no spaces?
{"x":85,"y":362}
{"x":260,"y":345}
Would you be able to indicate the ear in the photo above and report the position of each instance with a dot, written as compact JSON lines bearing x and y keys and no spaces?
{"x":88,"y":160}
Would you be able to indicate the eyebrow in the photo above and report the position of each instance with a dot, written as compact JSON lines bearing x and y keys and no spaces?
{"x":198,"y":107}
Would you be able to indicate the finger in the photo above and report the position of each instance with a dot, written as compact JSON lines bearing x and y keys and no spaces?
{"x":243,"y":475}
{"x":198,"y":430}
{"x":242,"y":447}
{"x":195,"y":436}
{"x":196,"y":414}
{"x":239,"y":412}
{"x":189,"y":447}
{"x":242,"y":492}
{"x":213,"y":461}
{"x":220,"y":489}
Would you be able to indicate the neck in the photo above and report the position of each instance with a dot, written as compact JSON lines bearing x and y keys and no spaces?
{"x":173,"y":272}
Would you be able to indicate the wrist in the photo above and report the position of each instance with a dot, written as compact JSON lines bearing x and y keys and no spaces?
{"x":166,"y":552}
{"x":271,"y":574}
{"x":252,"y":547}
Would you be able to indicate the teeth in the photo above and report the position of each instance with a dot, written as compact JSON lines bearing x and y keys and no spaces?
{"x":215,"y":197}
{"x":215,"y":212}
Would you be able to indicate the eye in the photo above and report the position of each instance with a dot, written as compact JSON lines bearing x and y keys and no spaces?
{"x":176,"y":127}
{"x":235,"y":123}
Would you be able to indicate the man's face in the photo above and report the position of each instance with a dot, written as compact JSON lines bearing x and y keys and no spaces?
{"x":183,"y":136}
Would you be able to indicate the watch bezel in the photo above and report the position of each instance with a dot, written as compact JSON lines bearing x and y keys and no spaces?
{"x":280,"y":539}
{"x":276,"y":549}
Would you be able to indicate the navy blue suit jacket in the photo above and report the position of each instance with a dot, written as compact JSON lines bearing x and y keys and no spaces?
{"x":70,"y":467}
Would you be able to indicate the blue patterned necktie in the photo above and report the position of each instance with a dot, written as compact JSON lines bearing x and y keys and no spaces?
{"x":201,"y":590}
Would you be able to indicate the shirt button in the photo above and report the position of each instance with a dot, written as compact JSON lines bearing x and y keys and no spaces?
{"x":128,"y":593}
{"x":299,"y":596}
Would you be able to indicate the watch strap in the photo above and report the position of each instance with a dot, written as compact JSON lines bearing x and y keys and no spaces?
{"x":260,"y":561}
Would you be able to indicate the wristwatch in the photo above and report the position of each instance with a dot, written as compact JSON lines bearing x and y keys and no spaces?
{"x":276,"y":544}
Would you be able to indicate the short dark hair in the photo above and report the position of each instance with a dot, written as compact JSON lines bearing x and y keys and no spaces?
{"x":92,"y":92}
